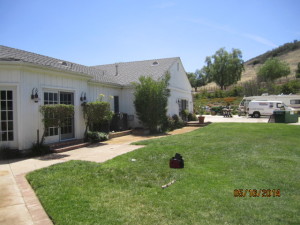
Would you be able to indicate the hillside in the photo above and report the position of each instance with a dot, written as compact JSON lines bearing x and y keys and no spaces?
{"x":289,"y":53}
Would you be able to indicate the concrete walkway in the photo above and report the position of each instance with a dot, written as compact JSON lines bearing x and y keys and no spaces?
{"x":18,"y":202}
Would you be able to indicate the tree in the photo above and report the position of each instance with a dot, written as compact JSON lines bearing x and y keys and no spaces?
{"x":151,"y":100}
{"x":202,"y":77}
{"x":198,"y":79}
{"x":224,"y":68}
{"x":272,"y":69}
{"x":193,"y":80}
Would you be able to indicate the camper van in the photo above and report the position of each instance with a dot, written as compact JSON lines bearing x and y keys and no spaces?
{"x":289,"y":100}
{"x":266,"y":108}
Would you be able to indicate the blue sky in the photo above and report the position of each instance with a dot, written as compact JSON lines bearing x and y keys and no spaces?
{"x":92,"y":32}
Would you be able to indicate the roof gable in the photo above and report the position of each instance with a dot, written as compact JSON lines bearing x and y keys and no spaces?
{"x":126,"y":73}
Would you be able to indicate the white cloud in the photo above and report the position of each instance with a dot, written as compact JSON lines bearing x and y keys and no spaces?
{"x":230,"y":30}
{"x":260,"y":40}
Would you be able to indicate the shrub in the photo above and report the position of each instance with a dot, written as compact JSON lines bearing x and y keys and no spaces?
{"x":184,"y":114}
{"x":94,"y":136}
{"x":172,"y":123}
{"x":290,"y":87}
{"x":237,"y":91}
{"x":96,"y":114}
{"x":38,"y":149}
{"x":175,"y":117}
{"x":298,"y":71}
{"x":192,"y":117}
{"x":180,"y":124}
{"x":169,"y":124}
{"x":151,"y":101}
{"x":7,"y":153}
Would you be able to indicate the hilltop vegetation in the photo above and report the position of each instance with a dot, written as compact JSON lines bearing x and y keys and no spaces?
{"x":289,"y":53}
{"x":281,"y":50}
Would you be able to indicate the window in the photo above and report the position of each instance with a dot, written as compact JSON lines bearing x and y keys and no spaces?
{"x":295,"y":101}
{"x":116,"y":104}
{"x":6,"y":116}
{"x":50,"y":98}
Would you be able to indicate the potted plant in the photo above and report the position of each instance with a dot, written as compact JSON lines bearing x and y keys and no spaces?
{"x":201,"y":112}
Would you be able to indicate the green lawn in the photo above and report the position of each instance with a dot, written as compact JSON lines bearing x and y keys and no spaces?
{"x":218,"y":159}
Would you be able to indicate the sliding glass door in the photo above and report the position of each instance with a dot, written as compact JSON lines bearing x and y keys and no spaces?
{"x":67,"y":131}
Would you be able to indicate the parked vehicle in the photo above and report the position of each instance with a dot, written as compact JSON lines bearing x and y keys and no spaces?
{"x":289,"y":100}
{"x":266,"y":108}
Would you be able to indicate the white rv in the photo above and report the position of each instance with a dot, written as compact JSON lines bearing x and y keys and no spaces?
{"x":266,"y":108}
{"x":289,"y":100}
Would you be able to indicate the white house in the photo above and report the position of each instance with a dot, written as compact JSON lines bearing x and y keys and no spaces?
{"x":29,"y":80}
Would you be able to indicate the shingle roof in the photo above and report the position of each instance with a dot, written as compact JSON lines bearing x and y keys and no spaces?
{"x":12,"y":54}
{"x":129,"y":72}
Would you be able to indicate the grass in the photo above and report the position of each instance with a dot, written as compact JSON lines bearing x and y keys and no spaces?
{"x":218,"y":159}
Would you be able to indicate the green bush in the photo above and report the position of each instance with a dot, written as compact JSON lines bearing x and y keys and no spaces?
{"x":172,"y":123}
{"x":179,"y":124}
{"x":169,"y":124}
{"x":94,"y":136}
{"x":192,"y":117}
{"x":38,"y":149}
{"x":290,"y":87}
{"x":237,"y":91}
{"x":7,"y":153}
{"x":151,"y":101}
{"x":176,"y":118}
{"x":185,"y":114}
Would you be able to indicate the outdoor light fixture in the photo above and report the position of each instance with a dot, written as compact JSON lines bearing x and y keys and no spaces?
{"x":34,"y":95}
{"x":83,"y":96}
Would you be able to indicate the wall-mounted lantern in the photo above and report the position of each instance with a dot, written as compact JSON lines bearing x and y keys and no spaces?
{"x":83,"y":97}
{"x":34,"y":95}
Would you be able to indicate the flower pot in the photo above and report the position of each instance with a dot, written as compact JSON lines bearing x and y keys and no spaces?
{"x":201,"y":119}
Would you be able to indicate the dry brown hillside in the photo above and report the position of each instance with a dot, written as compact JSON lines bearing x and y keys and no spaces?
{"x":292,"y":58}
